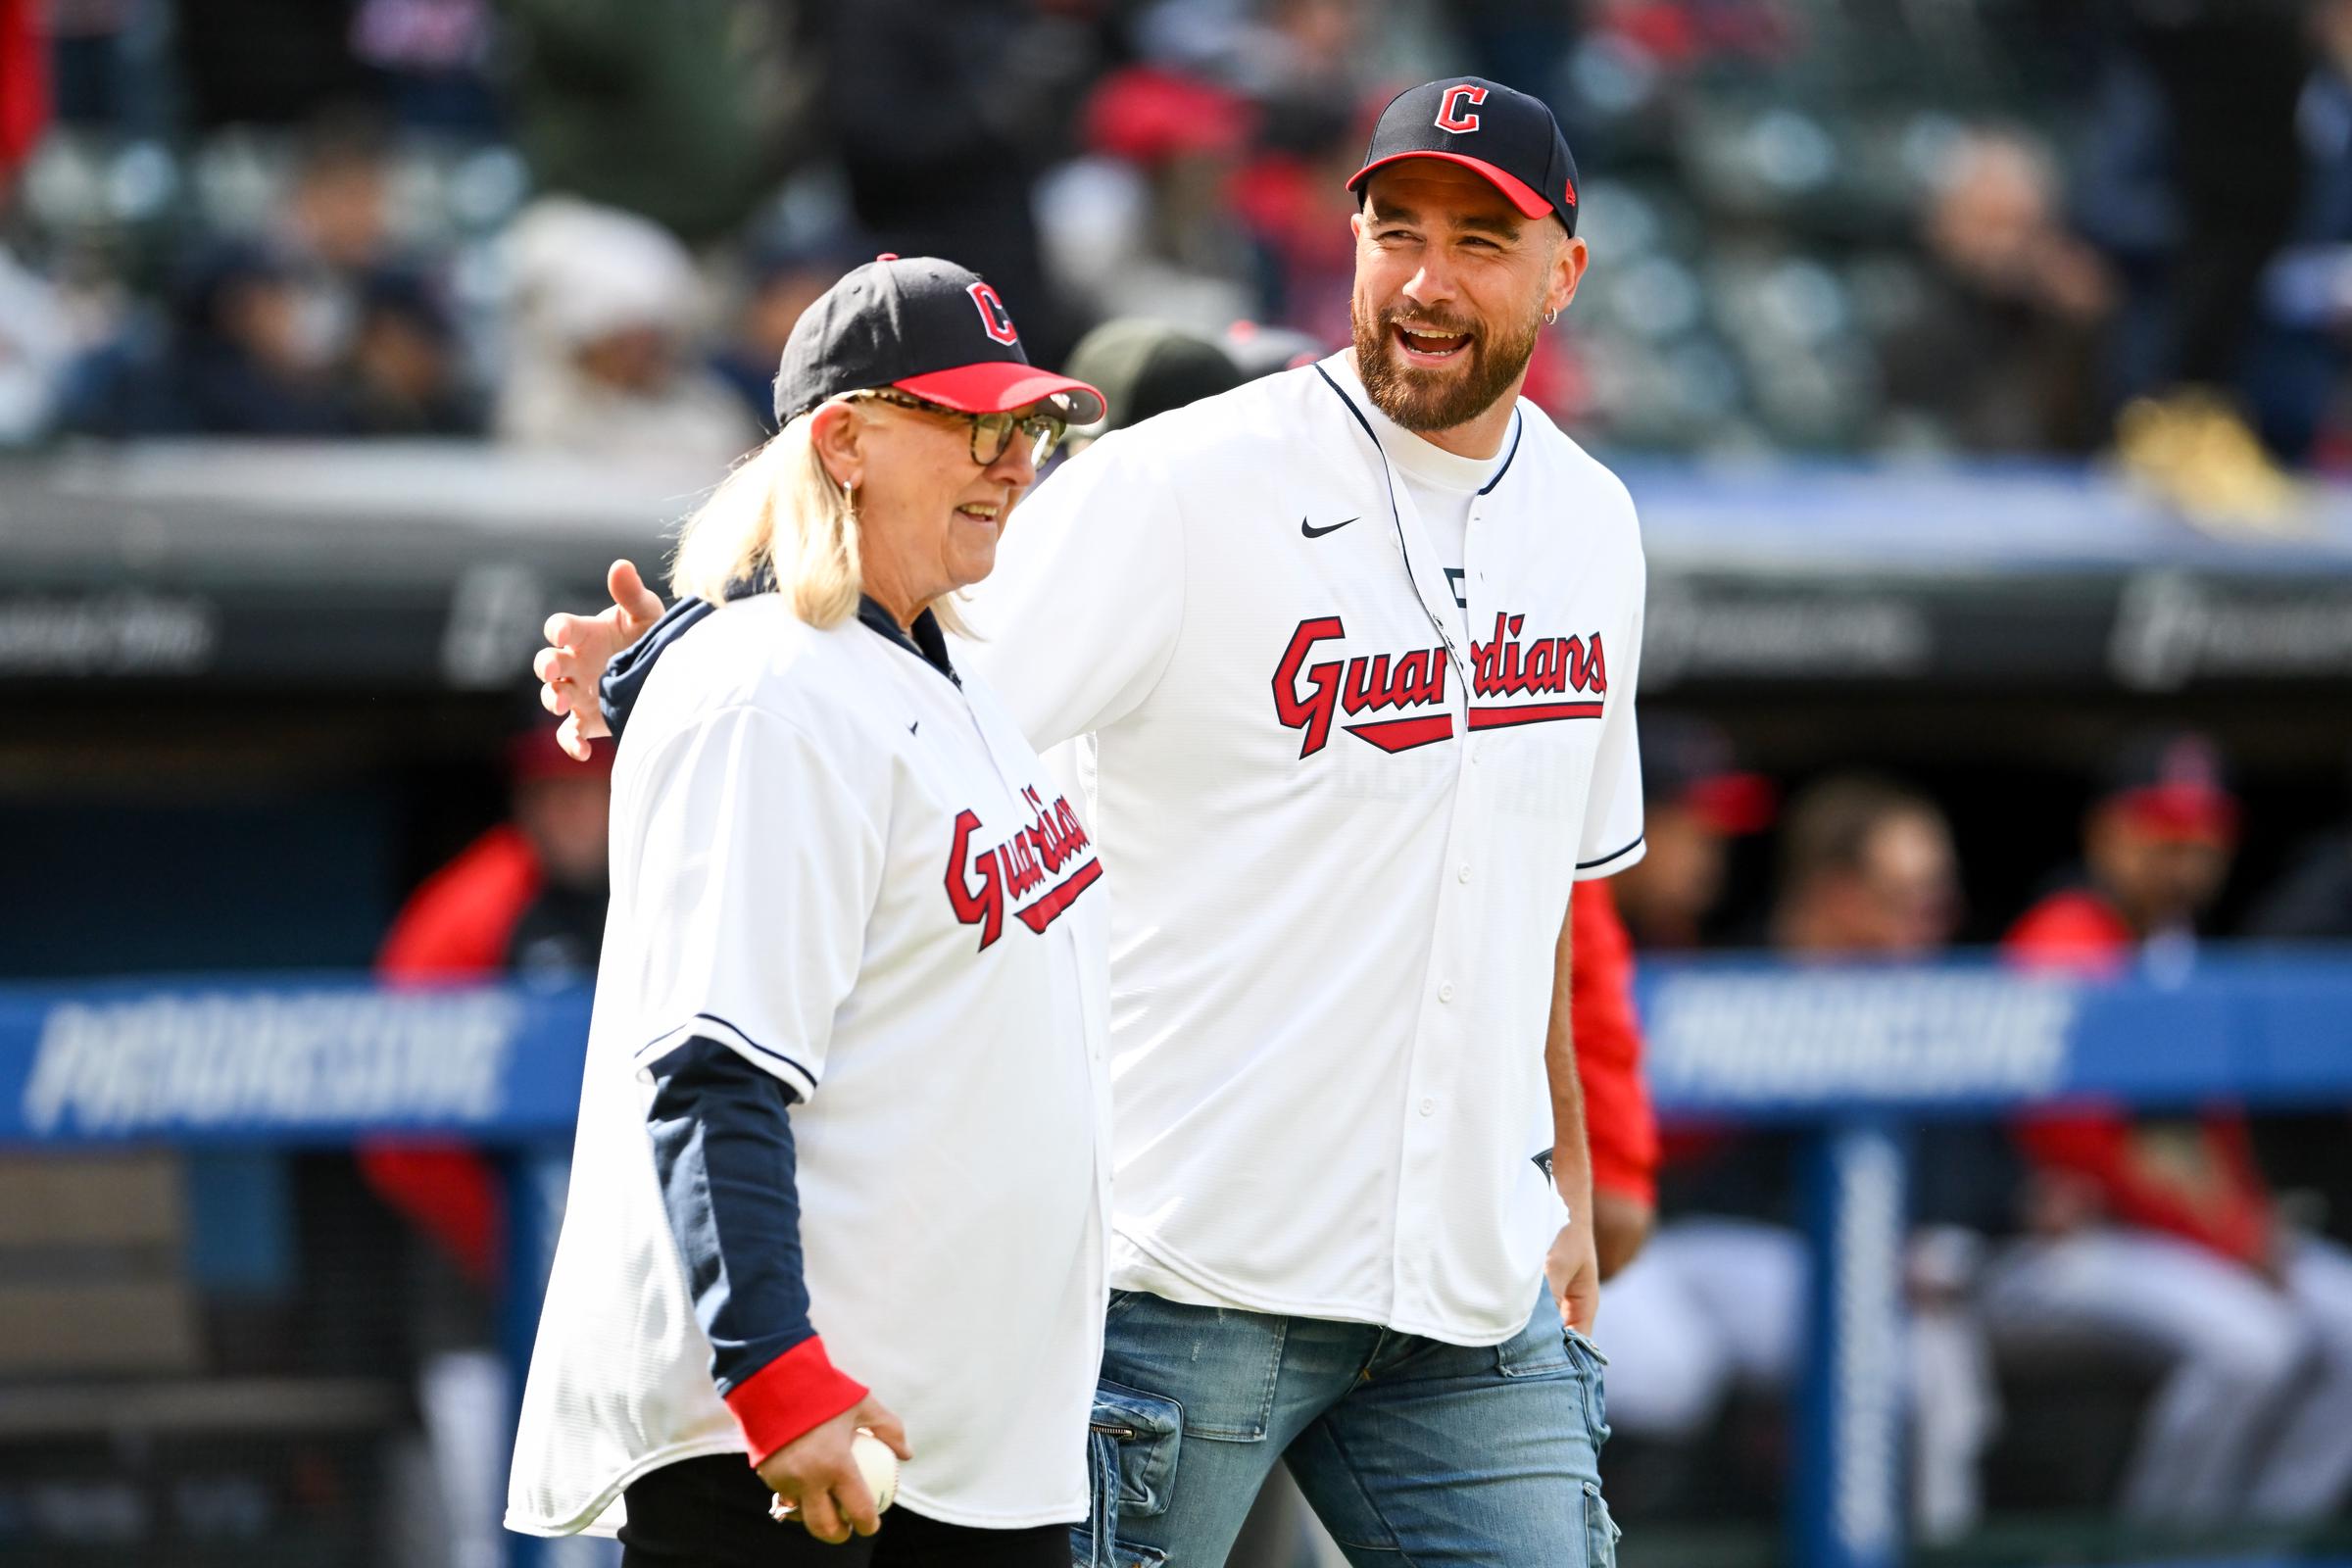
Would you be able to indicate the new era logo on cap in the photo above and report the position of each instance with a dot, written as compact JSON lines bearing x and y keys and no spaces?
{"x":1505,"y":135}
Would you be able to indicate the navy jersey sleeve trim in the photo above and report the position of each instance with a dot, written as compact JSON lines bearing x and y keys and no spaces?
{"x":798,"y":1079}
{"x":723,"y":1154}
{"x":1613,"y":854}
{"x":624,"y":678}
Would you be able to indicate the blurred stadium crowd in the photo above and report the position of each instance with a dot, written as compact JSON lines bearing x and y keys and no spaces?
{"x":2011,"y":227}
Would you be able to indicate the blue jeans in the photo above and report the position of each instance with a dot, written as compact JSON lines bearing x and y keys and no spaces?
{"x":1412,"y":1451}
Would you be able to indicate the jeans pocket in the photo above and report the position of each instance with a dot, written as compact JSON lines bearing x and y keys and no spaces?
{"x":1595,"y":1367}
{"x":1137,"y":1434}
{"x":1131,"y":1438}
{"x":1600,"y":1531}
{"x":1539,"y":1351}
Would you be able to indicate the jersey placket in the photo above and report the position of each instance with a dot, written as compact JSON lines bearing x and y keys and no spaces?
{"x":1441,"y":1031}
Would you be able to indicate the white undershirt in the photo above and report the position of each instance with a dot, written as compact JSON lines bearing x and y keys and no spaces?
{"x":1442,"y":485}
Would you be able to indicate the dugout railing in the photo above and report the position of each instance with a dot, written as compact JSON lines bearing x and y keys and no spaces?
{"x":1852,"y":1057}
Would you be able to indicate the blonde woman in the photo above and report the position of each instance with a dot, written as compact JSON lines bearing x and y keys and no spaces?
{"x":841,"y":1070}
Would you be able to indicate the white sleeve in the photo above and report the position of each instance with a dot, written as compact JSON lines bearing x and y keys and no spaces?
{"x":1080,"y":618}
{"x":1611,"y":839}
{"x":758,"y":870}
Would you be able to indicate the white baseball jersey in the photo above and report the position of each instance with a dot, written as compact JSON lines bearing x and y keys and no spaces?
{"x":1342,"y":814}
{"x":857,"y":876}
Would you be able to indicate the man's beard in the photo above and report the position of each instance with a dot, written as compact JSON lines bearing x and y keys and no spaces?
{"x":1426,"y":400}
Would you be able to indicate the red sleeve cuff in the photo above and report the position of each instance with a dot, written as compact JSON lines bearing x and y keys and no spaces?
{"x":795,"y":1394}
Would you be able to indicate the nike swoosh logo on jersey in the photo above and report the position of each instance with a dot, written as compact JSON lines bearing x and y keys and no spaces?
{"x":1313,"y":532}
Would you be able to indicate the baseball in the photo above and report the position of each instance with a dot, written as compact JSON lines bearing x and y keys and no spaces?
{"x":878,"y":1465}
{"x":875,"y":1464}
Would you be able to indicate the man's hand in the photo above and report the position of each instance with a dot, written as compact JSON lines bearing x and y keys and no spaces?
{"x":817,"y":1476}
{"x":1573,"y":1271}
{"x":581,"y":646}
{"x":1620,"y":1226}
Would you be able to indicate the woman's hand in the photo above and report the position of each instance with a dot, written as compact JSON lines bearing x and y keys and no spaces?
{"x":817,"y":1475}
{"x":581,"y":646}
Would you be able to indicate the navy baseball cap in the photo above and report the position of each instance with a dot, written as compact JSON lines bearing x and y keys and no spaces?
{"x":927,"y":327}
{"x":1503,"y":133}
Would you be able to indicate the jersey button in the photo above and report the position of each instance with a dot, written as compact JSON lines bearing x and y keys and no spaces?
{"x":1463,"y":875}
{"x":1445,"y":991}
{"x":1429,"y":1107}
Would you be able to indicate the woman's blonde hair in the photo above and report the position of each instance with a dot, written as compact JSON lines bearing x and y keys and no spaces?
{"x":779,"y":511}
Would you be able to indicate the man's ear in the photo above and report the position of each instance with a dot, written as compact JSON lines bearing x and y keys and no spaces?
{"x":1567,"y":271}
{"x":838,"y":434}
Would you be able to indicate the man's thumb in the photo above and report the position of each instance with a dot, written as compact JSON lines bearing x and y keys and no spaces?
{"x":630,"y":593}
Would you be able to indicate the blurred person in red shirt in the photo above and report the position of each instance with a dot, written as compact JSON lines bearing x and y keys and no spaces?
{"x":2158,"y":1233}
{"x":1718,"y":1302}
{"x":527,"y":899}
{"x":1620,"y":1129}
{"x":1696,"y":800}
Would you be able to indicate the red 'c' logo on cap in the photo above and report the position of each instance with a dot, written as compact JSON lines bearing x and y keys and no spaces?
{"x":1450,"y":114}
{"x":995,"y":320}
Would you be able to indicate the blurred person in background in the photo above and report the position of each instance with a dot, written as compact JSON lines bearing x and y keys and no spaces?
{"x":524,"y":898}
{"x":35,"y":344}
{"x":1621,"y":1131}
{"x":2159,"y":1235}
{"x":236,"y":358}
{"x":1718,"y":1302}
{"x":2304,"y":346}
{"x":1867,"y":870}
{"x":943,"y":113}
{"x":2004,"y":352}
{"x":2157,"y":846}
{"x":780,"y":281}
{"x":334,"y":226}
{"x":1291,"y":198}
{"x":1142,"y":226}
{"x":434,"y":56}
{"x":2194,"y":182}
{"x":1697,"y":800}
{"x":402,"y":373}
{"x":24,"y":99}
{"x":689,"y":119}
{"x":607,"y":305}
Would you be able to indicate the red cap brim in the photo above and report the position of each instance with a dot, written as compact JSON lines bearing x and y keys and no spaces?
{"x":998,"y":386}
{"x":1518,"y":193}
